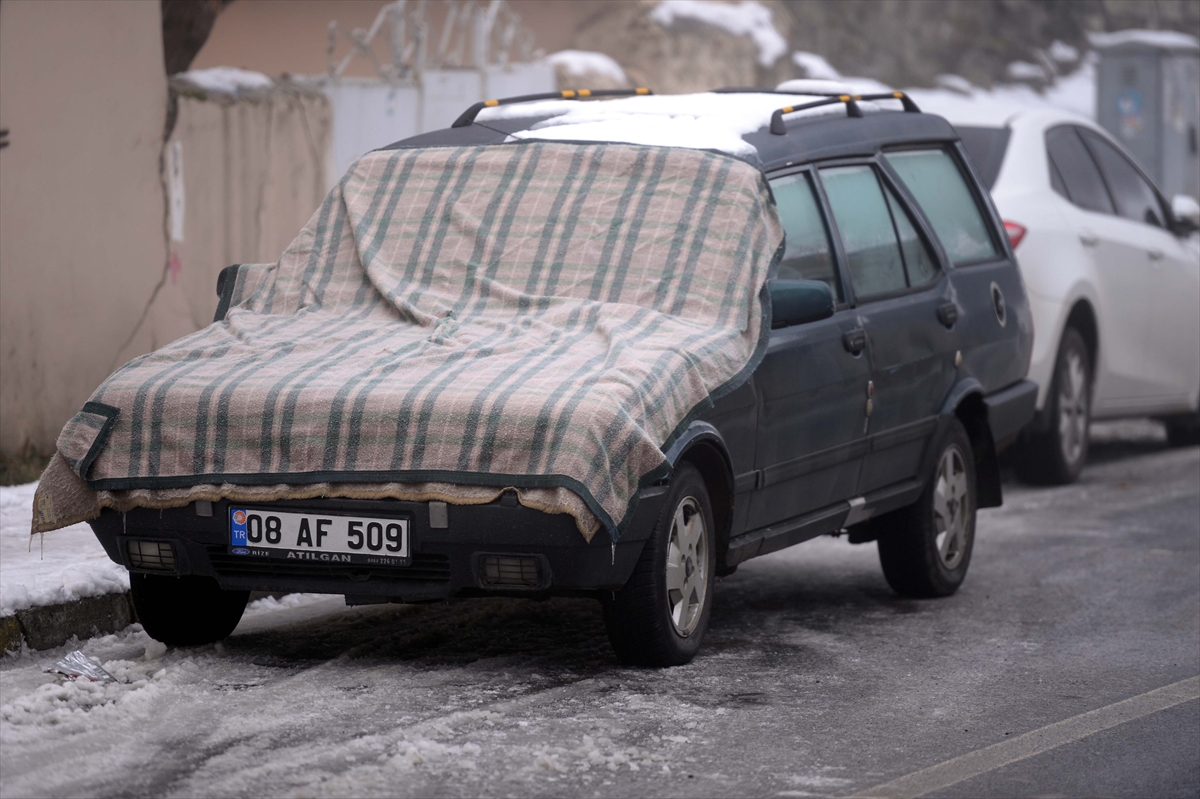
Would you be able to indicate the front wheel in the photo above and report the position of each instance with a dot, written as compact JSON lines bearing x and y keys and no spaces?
{"x":1056,"y":456}
{"x":658,"y":618}
{"x":925,"y":549}
{"x":185,"y":611}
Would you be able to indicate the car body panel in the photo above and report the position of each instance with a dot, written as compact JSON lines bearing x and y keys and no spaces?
{"x":1141,"y":281}
{"x":816,"y":438}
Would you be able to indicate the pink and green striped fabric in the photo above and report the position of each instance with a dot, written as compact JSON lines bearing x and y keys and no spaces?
{"x":527,"y":315}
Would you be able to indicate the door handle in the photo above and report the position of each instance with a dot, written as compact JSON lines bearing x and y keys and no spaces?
{"x":1155,"y":255}
{"x":947,"y":314}
{"x":1089,"y":239}
{"x":855,"y":341}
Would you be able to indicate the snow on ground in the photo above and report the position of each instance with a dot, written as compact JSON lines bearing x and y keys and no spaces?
{"x":226,"y":80}
{"x":747,"y":18}
{"x":1074,"y":92}
{"x":58,"y":567}
{"x":515,"y":697}
{"x":959,"y":100}
{"x":586,"y":62}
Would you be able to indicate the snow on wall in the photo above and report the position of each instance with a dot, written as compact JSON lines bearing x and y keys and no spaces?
{"x":747,"y":18}
{"x":815,"y":66}
{"x":586,"y":62}
{"x":1023,"y":70}
{"x":1166,"y":39}
{"x":226,"y":80}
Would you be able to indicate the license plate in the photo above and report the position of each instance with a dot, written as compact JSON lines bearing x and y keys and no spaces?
{"x":319,"y":537}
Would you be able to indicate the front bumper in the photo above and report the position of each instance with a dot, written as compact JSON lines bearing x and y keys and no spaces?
{"x":446,"y":562}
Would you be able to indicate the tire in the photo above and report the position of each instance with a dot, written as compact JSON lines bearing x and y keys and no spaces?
{"x":185,"y":611}
{"x":926,"y":549}
{"x":1183,"y":431}
{"x":659,"y":618}
{"x":1057,"y":456}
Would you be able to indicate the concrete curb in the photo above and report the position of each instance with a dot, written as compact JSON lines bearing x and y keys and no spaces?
{"x":49,"y":626}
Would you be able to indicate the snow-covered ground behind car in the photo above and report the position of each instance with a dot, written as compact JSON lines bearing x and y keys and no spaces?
{"x":62,"y":566}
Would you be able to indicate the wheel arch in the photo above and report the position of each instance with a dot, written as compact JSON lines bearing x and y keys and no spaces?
{"x":702,"y":446}
{"x":966,"y":404}
{"x":1082,"y":317}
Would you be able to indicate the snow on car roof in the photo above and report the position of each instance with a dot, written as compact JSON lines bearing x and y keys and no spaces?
{"x":703,"y":121}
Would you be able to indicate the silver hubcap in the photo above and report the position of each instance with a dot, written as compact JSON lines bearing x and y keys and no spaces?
{"x":1072,"y":407}
{"x":687,"y":566}
{"x":951,"y":507}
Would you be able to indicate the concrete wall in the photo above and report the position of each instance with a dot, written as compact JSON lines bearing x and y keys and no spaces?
{"x":369,"y":113}
{"x":105,"y":254}
{"x":84,"y":95}
{"x":254,"y":171}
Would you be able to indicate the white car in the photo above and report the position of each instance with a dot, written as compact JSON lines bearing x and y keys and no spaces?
{"x":1113,"y":275}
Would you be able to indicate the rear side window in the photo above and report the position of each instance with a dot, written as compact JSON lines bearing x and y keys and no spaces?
{"x":1080,"y":177}
{"x":938,"y":184}
{"x":1134,"y":197}
{"x":986,"y":146}
{"x":917,"y":258}
{"x":808,"y":254}
{"x":865,"y":224}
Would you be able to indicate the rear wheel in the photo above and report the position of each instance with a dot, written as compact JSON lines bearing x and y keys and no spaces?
{"x":927,"y":546}
{"x":185,"y":611}
{"x":1056,"y":456}
{"x":660,"y":615}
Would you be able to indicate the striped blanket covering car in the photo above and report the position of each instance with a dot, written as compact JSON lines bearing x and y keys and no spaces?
{"x":453,"y":323}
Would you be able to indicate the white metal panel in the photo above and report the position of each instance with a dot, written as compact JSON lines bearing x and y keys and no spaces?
{"x":368,"y":113}
{"x":447,"y":93}
{"x":514,"y":80}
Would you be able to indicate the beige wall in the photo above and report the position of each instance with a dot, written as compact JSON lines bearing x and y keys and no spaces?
{"x":253,"y":174}
{"x":276,"y":36}
{"x":83,"y":94}
{"x":90,"y":275}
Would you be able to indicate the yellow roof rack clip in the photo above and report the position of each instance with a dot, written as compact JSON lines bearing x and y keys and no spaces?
{"x":849,"y":100}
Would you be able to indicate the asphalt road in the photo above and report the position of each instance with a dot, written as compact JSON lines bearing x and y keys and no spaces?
{"x":814,"y":680}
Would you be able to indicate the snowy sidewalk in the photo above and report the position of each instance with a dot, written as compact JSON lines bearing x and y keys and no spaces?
{"x":54,"y":573}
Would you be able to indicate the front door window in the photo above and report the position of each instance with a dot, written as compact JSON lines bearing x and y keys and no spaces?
{"x":868,"y":234}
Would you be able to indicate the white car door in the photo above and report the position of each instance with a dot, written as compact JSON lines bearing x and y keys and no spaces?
{"x":1171,"y":369}
{"x":1118,"y":250}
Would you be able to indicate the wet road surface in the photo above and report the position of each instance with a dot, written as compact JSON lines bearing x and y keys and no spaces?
{"x":815,"y":680}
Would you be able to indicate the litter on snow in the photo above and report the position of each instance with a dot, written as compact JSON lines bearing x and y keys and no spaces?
{"x":76,"y":665}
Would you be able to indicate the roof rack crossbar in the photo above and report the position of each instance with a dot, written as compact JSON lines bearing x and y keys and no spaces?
{"x":851,"y":102}
{"x":469,"y":115}
{"x":753,"y":90}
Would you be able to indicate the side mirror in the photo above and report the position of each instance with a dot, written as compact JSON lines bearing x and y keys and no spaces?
{"x":1186,"y":211}
{"x":797,"y":302}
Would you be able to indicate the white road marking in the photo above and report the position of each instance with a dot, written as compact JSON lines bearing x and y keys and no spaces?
{"x":972,"y":764}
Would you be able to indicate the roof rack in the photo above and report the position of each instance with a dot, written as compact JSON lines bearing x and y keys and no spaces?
{"x":851,"y":102}
{"x":755,"y":90}
{"x":469,"y":115}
